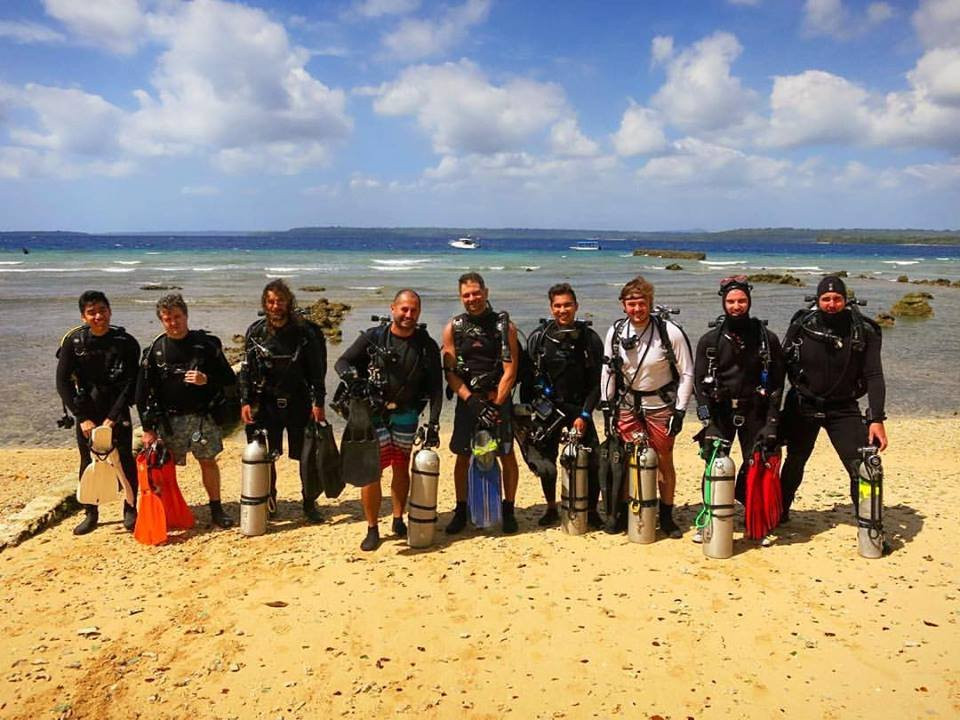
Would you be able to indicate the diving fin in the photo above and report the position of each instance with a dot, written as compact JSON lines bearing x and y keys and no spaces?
{"x":99,"y":482}
{"x":483,"y":481}
{"x":763,"y":503}
{"x":610,"y":473}
{"x":320,"y":463}
{"x":151,"y":527}
{"x":177,"y":512}
{"x":359,"y":447}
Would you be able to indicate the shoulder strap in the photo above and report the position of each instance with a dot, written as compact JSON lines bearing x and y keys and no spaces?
{"x":667,"y":345}
{"x":69,"y":333}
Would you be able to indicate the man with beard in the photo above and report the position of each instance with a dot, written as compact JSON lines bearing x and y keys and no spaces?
{"x":282,"y":376}
{"x":738,"y":378}
{"x":833,"y":359}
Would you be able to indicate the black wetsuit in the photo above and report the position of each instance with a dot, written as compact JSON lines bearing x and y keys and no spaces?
{"x":564,"y":368}
{"x":409,"y":368}
{"x":832,"y":361}
{"x":734,"y":397}
{"x":96,"y":379}
{"x":161,"y":390}
{"x":282,"y":376}
{"x":478,"y":344}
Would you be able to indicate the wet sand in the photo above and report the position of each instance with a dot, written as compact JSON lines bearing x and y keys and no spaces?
{"x":300,"y":623}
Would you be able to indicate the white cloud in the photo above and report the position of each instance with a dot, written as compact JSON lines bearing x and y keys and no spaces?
{"x":661,"y":49}
{"x":200,"y":190}
{"x":640,"y":133}
{"x":567,"y":140}
{"x":695,"y":162}
{"x":518,"y":169}
{"x":935,"y":174}
{"x":379,"y":8}
{"x":464,"y":113}
{"x":832,"y":18}
{"x":67,"y":121}
{"x":363,"y":182}
{"x":247,"y":97}
{"x":700,"y":93}
{"x":937,"y":22}
{"x":116,"y":25}
{"x":937,"y":76}
{"x":816,"y":107}
{"x":29,"y":32}
{"x":415,"y":38}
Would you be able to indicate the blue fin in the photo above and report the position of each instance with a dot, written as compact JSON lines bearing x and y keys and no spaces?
{"x":483,"y":495}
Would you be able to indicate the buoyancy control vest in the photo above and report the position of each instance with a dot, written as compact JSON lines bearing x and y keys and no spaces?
{"x":481,"y":345}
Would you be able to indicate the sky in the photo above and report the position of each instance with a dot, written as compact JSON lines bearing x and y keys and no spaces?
{"x":151,"y":115}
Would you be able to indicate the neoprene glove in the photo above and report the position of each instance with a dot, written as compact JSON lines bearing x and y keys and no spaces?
{"x":767,"y":437}
{"x":349,"y":375}
{"x":431,"y":437}
{"x":675,"y":424}
{"x":483,"y":410}
{"x":710,"y":433}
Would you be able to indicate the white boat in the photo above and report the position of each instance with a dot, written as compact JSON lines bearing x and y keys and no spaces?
{"x":586,"y":245}
{"x":465,"y":243}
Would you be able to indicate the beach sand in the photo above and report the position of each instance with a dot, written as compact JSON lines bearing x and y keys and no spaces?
{"x":300,"y":623}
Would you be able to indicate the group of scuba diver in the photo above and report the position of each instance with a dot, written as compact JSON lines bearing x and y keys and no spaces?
{"x":640,"y":377}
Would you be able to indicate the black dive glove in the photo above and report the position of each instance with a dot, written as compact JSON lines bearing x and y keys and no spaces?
{"x":709,"y":433}
{"x":349,"y":375}
{"x":483,"y":410}
{"x":431,"y":436}
{"x":767,"y":438}
{"x":675,"y":424}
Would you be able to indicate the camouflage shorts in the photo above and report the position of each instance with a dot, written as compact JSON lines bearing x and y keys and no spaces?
{"x":181,"y":440}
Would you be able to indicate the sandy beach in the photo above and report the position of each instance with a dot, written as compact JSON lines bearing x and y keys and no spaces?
{"x":300,"y":623}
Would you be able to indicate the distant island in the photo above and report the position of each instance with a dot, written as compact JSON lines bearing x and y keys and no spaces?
{"x":647,"y":238}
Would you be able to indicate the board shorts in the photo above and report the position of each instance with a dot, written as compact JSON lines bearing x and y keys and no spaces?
{"x":653,"y":423}
{"x":395,"y":433}
{"x":179,"y":440}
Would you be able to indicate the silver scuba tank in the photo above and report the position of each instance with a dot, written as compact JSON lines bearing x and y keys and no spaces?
{"x":422,"y":505}
{"x":719,"y":479}
{"x":574,"y":461}
{"x":870,"y":505}
{"x":255,"y":486}
{"x":642,"y":465}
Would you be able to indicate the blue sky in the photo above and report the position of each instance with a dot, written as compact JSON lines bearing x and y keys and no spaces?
{"x":213,"y":115}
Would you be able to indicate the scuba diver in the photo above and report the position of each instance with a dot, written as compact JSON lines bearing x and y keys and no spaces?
{"x":833,"y":358}
{"x":738,"y":379}
{"x":282,"y":380}
{"x":562,"y":384}
{"x":645,"y":384}
{"x":96,"y":379}
{"x":480,"y":359}
{"x":399,"y":364}
{"x":182,"y":374}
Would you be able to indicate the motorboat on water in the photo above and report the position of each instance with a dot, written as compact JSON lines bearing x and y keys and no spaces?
{"x":465,"y":243}
{"x":586,"y":245}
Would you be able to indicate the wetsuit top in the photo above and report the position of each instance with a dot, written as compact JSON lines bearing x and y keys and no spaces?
{"x":737,"y":365}
{"x":289,"y":362}
{"x":410,"y":368}
{"x":568,"y":362}
{"x":824,"y":366}
{"x":646,"y":368}
{"x":96,"y":376}
{"x":162,"y":370}
{"x":478,"y":342}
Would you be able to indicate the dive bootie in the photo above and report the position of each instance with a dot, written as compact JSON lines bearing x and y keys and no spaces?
{"x":372,"y":541}
{"x":399,"y":527}
{"x":459,"y":520}
{"x":89,"y":522}
{"x":508,"y":517}
{"x":311,"y":512}
{"x":218,"y":516}
{"x":667,"y":524}
{"x":129,"y":516}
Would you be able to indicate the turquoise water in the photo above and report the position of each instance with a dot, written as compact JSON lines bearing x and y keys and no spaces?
{"x":222,"y":278}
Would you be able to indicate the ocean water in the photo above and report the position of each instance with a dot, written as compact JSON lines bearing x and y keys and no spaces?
{"x":222,"y":278}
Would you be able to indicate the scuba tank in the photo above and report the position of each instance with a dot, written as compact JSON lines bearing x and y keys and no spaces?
{"x":870,"y":505}
{"x":573,"y":483}
{"x":716,"y":517}
{"x":642,"y":464}
{"x":422,"y":505}
{"x":255,"y":485}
